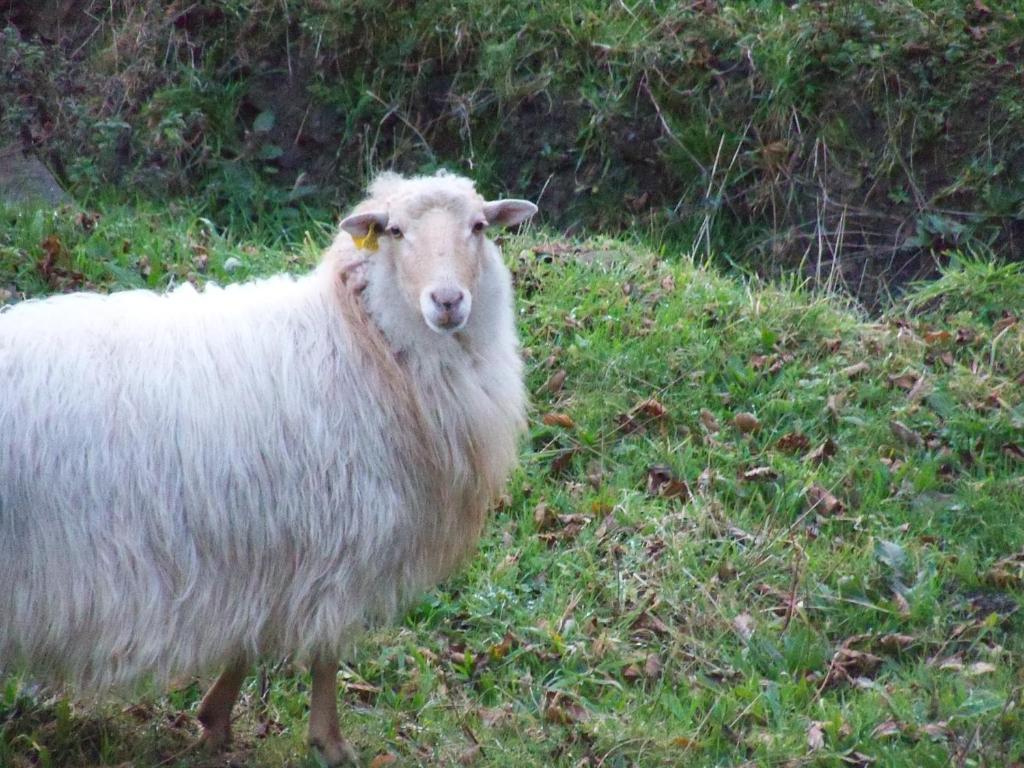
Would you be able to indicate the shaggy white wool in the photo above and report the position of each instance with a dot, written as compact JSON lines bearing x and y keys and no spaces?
{"x":261,"y":469}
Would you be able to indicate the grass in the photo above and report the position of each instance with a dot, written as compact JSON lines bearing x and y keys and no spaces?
{"x":866,"y":139}
{"x":831,"y":579}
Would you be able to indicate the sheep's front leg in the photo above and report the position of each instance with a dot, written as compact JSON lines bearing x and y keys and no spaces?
{"x":215,"y":709}
{"x":324,"y":734}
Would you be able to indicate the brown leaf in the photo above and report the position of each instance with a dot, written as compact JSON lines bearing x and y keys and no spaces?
{"x":1013,"y":451}
{"x":1003,"y":323}
{"x":684,"y":742}
{"x":383,"y":759}
{"x":905,"y":434}
{"x":557,"y":380}
{"x":894,"y":641}
{"x":1007,"y":572}
{"x":965,"y":336}
{"x":500,"y":650}
{"x":544,"y":516}
{"x":904,"y":381}
{"x":822,"y":453}
{"x":856,"y":370}
{"x":744,"y":626}
{"x":631,"y":673}
{"x":822,"y":502}
{"x":652,"y":666}
{"x":901,"y":604}
{"x":887,"y":728}
{"x":919,"y":390}
{"x":558,"y":420}
{"x":492,"y":717}
{"x":815,"y":736}
{"x":746,"y":423}
{"x":561,"y":711}
{"x":650,"y":408}
{"x":760,"y":475}
{"x":833,"y":406}
{"x":848,"y":664}
{"x":651,"y":623}
{"x":939,"y":730}
{"x":937,"y":337}
{"x":793,"y":442}
{"x":981,"y":668}
{"x":470,"y":754}
{"x":707,"y":418}
{"x":662,"y":482}
{"x":562,"y":461}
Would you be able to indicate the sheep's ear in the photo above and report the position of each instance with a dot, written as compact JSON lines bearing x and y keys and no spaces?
{"x":505,"y":213}
{"x":360,"y":225}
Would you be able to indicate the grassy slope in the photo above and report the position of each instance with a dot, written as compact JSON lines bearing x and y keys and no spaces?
{"x":602,"y":625}
{"x":869,"y":132}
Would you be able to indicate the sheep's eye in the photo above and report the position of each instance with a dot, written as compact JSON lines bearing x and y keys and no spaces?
{"x":478,"y":227}
{"x":394,"y":232}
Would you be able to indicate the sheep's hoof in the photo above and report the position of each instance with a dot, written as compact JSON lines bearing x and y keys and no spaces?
{"x":335,"y":751}
{"x":215,"y":739}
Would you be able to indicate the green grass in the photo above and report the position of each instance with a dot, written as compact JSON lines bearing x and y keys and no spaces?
{"x":605,"y":624}
{"x":877,"y":135}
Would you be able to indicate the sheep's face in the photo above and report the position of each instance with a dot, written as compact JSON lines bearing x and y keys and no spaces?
{"x":437,"y":252}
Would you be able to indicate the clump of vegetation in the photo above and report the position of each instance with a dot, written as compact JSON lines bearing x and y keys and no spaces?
{"x":751,"y":527}
{"x":860,"y":140}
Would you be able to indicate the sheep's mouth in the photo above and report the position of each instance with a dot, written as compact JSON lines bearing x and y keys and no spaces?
{"x":446,"y":309}
{"x":446,"y":322}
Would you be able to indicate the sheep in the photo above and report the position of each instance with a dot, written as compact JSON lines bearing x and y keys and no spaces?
{"x":203,"y":479}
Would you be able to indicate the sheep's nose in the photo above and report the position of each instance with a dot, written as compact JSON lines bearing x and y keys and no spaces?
{"x":447,"y":299}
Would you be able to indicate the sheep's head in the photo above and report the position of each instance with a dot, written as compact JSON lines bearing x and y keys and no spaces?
{"x":433,"y":230}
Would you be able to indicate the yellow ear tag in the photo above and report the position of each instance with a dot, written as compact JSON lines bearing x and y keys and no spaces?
{"x":368,"y":242}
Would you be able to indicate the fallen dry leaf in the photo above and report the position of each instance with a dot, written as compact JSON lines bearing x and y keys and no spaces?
{"x":905,"y":434}
{"x":981,"y":668}
{"x":815,"y":736}
{"x":760,"y":475}
{"x":793,"y":442}
{"x":821,"y":501}
{"x":650,"y":408}
{"x":904,"y":381}
{"x":652,"y":666}
{"x":562,"y":461}
{"x":544,"y":516}
{"x":1013,"y":451}
{"x":744,"y":626}
{"x":887,"y":728}
{"x":707,"y":418}
{"x":746,"y":423}
{"x":921,"y":388}
{"x":848,"y":664}
{"x":965,"y":336}
{"x":662,"y":482}
{"x":1003,"y":323}
{"x":556,"y":381}
{"x":493,"y":717}
{"x":383,"y":759}
{"x":937,"y":337}
{"x":558,"y":420}
{"x":895,"y":641}
{"x":822,"y":453}
{"x":855,"y":370}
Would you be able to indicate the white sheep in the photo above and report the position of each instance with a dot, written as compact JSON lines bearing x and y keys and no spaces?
{"x":204,"y":479}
